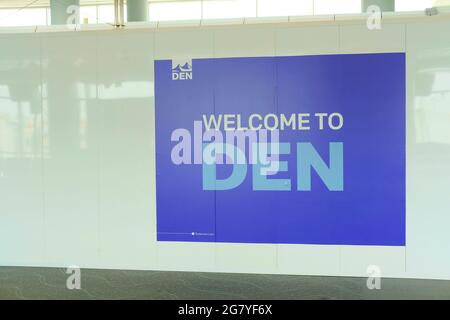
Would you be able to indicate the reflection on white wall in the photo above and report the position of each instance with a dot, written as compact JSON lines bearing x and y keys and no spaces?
{"x":432,"y":109}
{"x":127,"y":90}
{"x":20,"y":110}
{"x":20,"y":128}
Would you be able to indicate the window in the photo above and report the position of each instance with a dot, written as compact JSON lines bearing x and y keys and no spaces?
{"x":186,"y":10}
{"x":336,"y":7}
{"x":24,"y":17}
{"x":105,"y":14}
{"x":268,"y":8}
{"x":221,"y":9}
{"x":416,"y":5}
{"x":88,"y":14}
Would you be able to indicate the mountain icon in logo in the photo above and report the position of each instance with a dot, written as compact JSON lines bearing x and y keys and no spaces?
{"x":182,"y":70}
{"x":177,"y":68}
{"x":186,"y":67}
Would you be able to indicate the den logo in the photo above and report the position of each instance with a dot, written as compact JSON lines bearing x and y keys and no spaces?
{"x":182,"y":69}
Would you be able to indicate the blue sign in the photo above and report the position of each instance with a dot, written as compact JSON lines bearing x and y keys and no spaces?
{"x":301,"y":150}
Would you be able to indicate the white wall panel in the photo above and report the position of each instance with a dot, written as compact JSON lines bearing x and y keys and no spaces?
{"x":71,"y":132}
{"x":127,"y":149}
{"x":359,"y":39}
{"x":21,"y":195}
{"x":308,"y":259}
{"x":428,"y":150}
{"x":195,"y":43}
{"x":307,"y":40}
{"x":355,"y":260}
{"x":244,"y":42}
{"x":186,"y":256}
{"x":246,"y":258}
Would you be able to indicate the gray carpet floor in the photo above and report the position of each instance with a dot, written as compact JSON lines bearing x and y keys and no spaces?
{"x":50,"y":283}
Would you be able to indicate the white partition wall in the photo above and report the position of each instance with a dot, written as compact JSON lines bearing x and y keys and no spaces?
{"x":21,"y":143}
{"x":77,"y":147}
{"x":428,"y":174}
